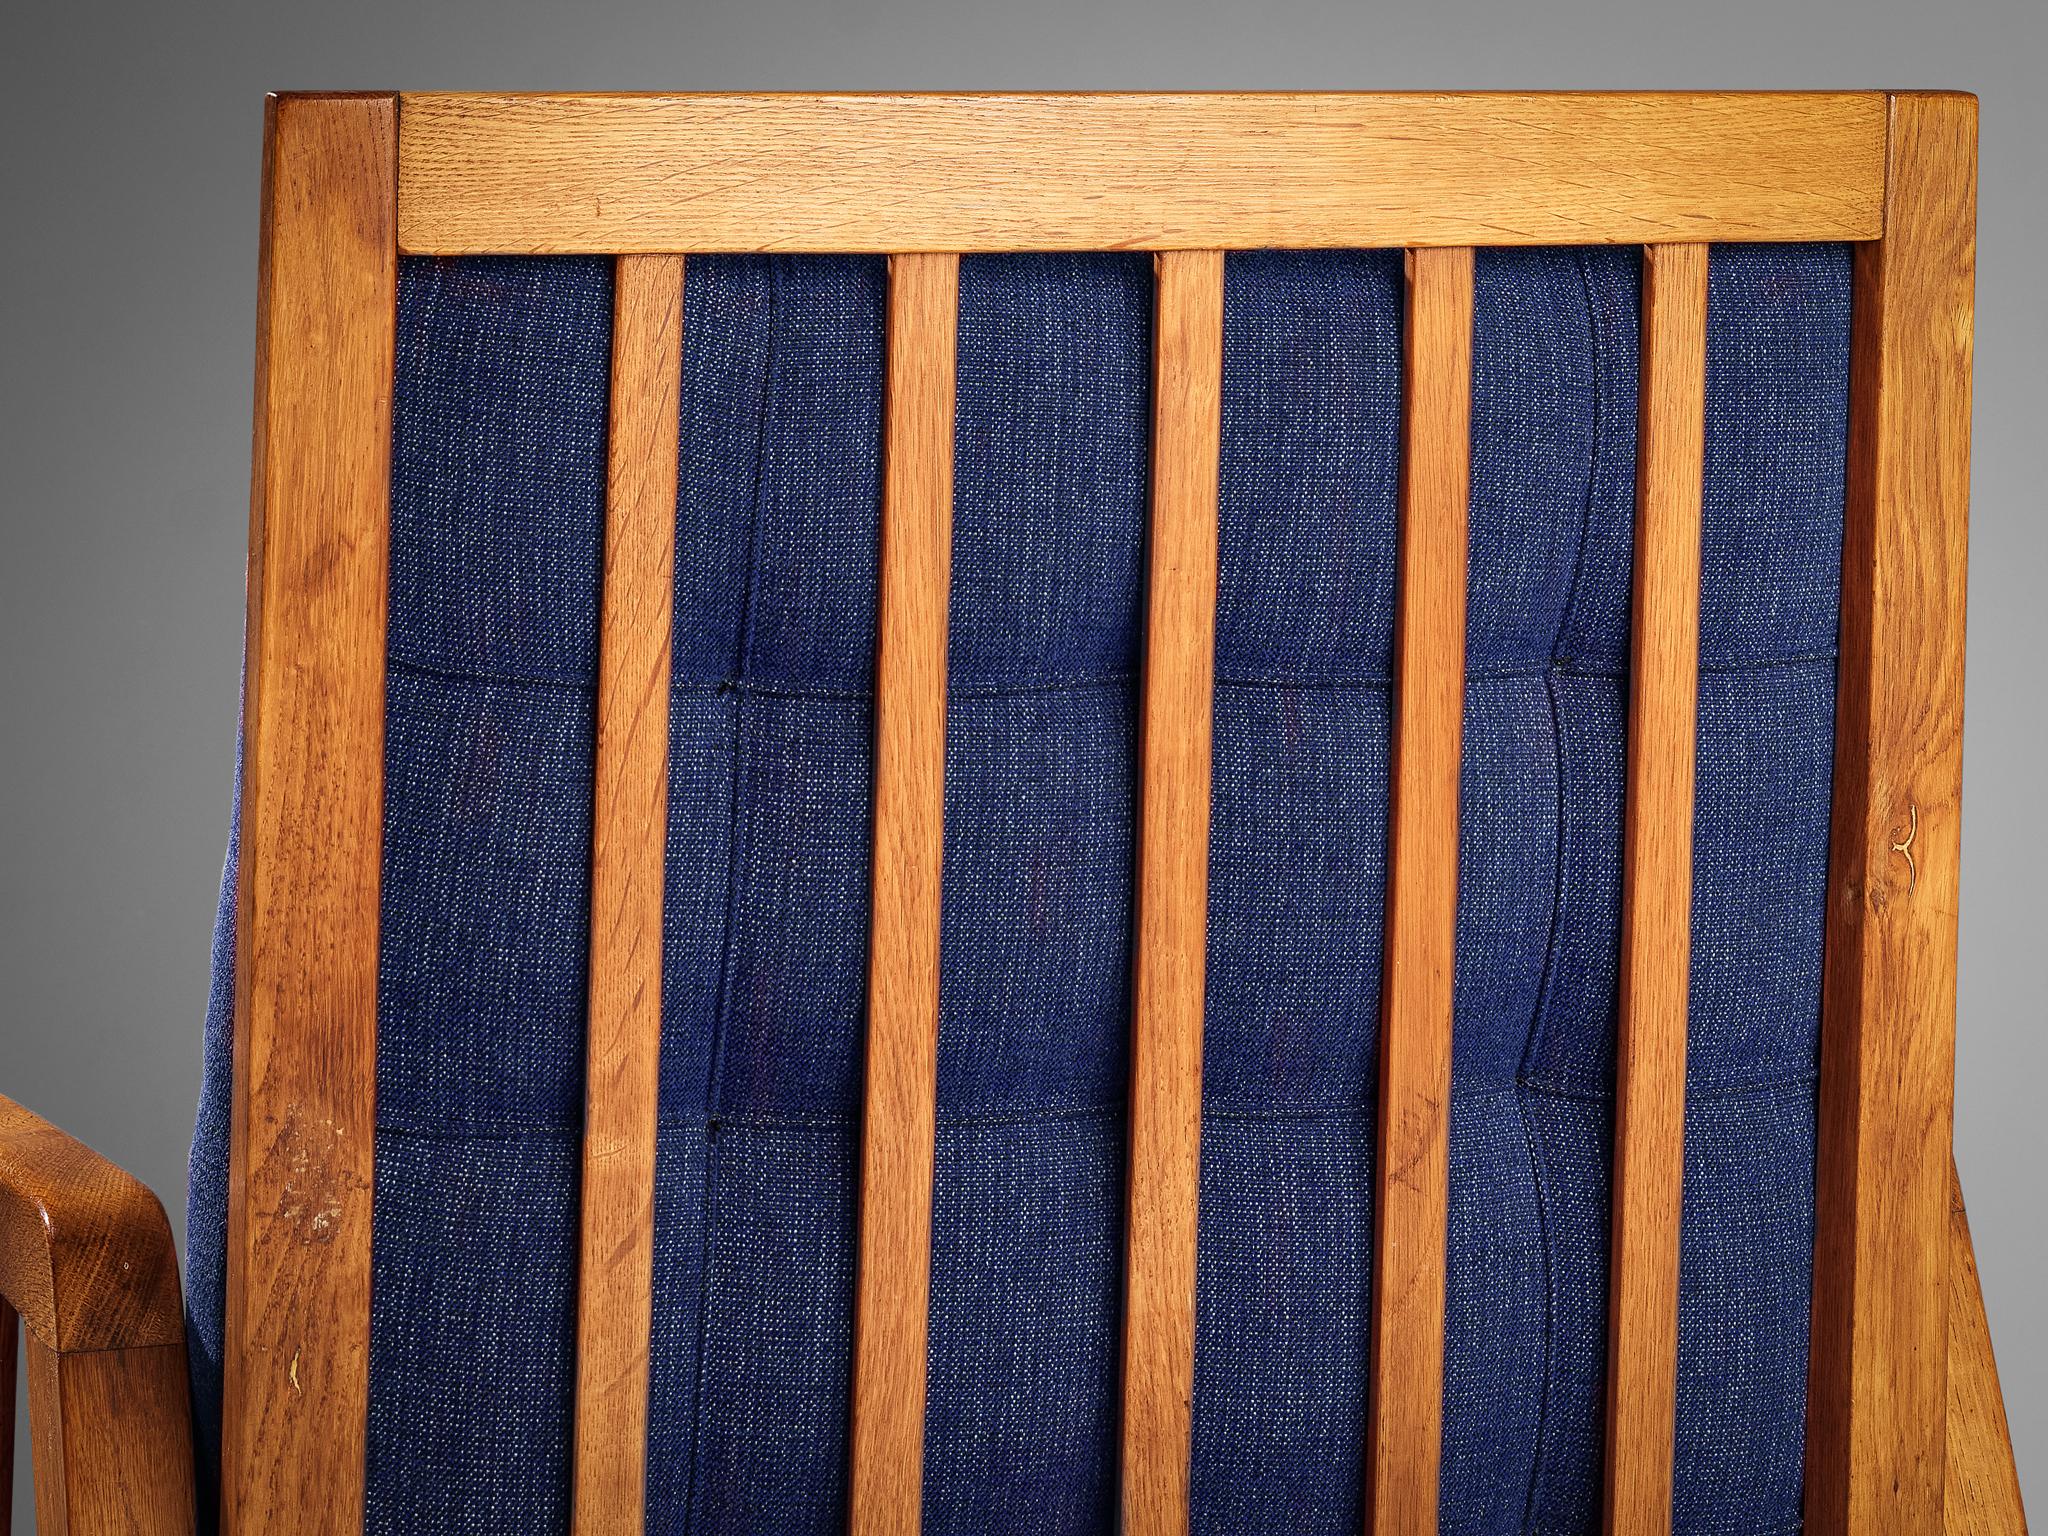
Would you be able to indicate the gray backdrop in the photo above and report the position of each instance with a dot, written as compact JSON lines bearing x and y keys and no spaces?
{"x":129,"y":144}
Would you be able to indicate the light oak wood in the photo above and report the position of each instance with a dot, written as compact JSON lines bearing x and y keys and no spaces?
{"x":1877,"y":1388}
{"x":630,"y":821}
{"x":112,"y":1437}
{"x":1404,"y":1438}
{"x":610,"y":174}
{"x":934,"y":175}
{"x":304,"y":1114}
{"x":899,"y":1127}
{"x":1171,"y":920}
{"x":1656,"y":914}
{"x":1981,"y":1484}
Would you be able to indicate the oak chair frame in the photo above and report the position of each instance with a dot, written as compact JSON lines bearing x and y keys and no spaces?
{"x":1906,"y":1432}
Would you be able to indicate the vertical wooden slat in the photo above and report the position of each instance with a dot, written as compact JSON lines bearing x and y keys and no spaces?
{"x":630,"y":819}
{"x":303,"y":1141}
{"x":1877,"y":1380}
{"x":898,"y":1131}
{"x":1172,"y":895}
{"x":1656,"y":915}
{"x":1405,"y":1430}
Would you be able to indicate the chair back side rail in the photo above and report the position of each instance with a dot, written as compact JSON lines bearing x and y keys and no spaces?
{"x":353,"y":181}
{"x":1877,"y":1381}
{"x":302,"y":1158}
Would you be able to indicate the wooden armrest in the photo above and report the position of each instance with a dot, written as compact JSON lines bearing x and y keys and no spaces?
{"x":87,"y":1261}
{"x":85,"y":1252}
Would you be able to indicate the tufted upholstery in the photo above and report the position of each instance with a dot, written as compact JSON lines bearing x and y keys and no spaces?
{"x":497,"y":499}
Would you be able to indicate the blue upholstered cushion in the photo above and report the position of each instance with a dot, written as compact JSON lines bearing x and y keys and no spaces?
{"x":497,"y":497}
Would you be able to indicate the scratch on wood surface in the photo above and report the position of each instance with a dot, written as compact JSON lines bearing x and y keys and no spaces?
{"x":1905,"y":846}
{"x":316,"y":1186}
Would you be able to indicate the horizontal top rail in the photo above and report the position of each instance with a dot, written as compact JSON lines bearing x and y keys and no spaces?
{"x":630,"y":174}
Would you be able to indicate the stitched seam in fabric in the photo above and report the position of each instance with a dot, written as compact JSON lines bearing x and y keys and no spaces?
{"x":539,"y":1130}
{"x":1759,"y":1088}
{"x":1537,"y":1023}
{"x":1569,"y":612}
{"x":496,"y":679}
{"x":1563,"y":667}
{"x":737,"y":827}
{"x":1373,"y":684}
{"x":772,"y":690}
{"x":1558,"y":863}
{"x":1559,"y":668}
{"x":1711,"y":669}
{"x":1538,"y":1173}
{"x":1536,"y":1161}
{"x":1777,"y":1087}
{"x":1337,"y":1109}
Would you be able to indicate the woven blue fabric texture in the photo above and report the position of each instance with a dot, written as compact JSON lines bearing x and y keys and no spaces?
{"x":498,"y":483}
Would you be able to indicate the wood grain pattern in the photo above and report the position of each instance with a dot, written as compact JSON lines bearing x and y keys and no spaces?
{"x":1877,"y":1384}
{"x":87,"y":1262}
{"x":1656,"y":914}
{"x":112,"y":1436}
{"x":898,"y":1132}
{"x":609,"y":174}
{"x":47,"y":1442}
{"x":304,"y":1114}
{"x":1981,"y":1484}
{"x":1171,"y":919}
{"x":941,"y":174}
{"x":630,"y":826}
{"x":86,"y":1256}
{"x":1404,"y":1437}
